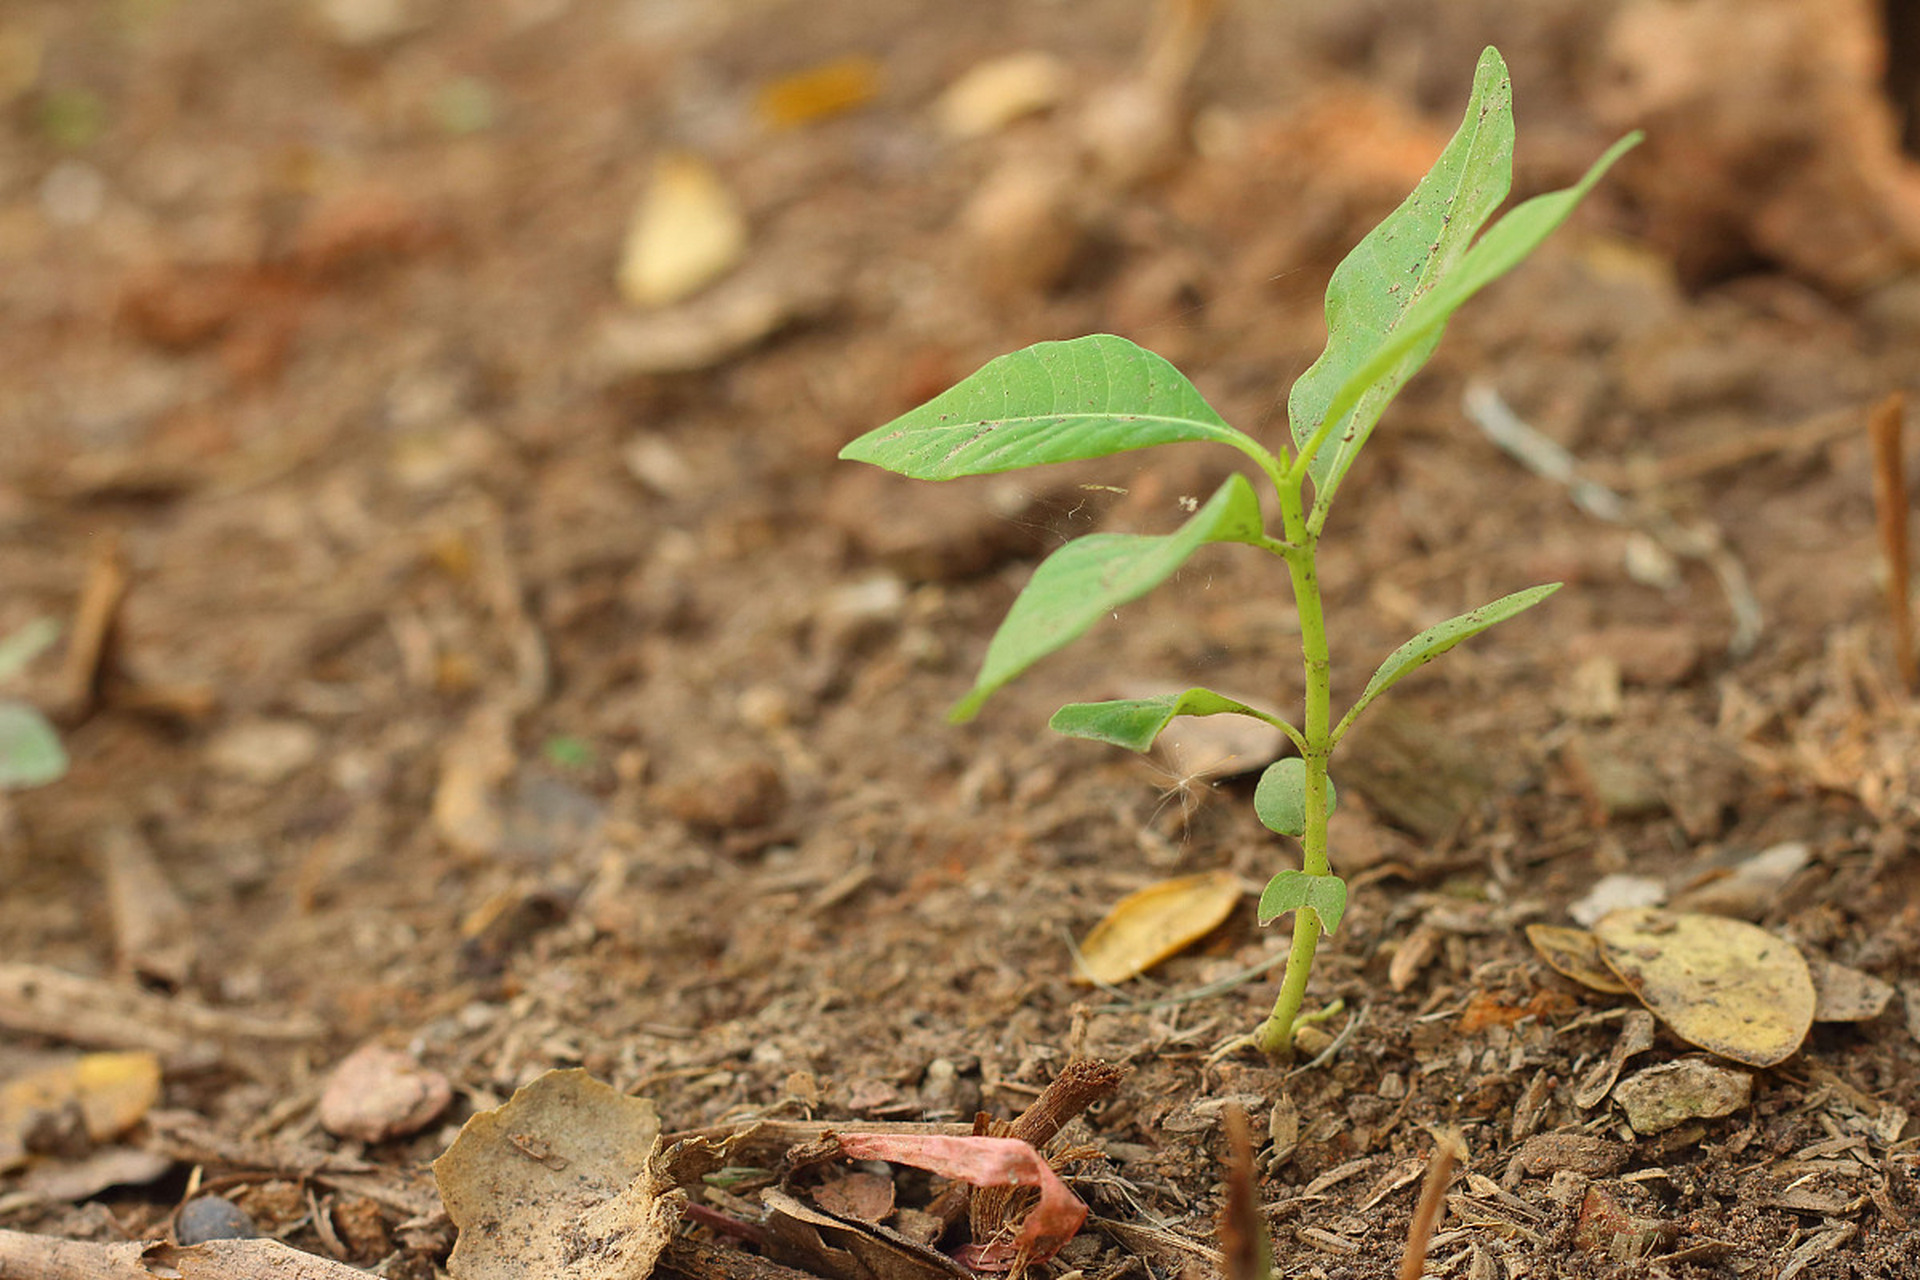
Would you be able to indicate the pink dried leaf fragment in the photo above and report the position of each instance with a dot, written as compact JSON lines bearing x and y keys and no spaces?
{"x":987,"y":1162}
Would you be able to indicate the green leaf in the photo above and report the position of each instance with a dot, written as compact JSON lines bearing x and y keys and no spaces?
{"x":1280,"y":798}
{"x":26,"y":644}
{"x":1134,"y":723}
{"x":1090,"y":577}
{"x":1325,"y":896}
{"x":1052,"y":402}
{"x":30,"y":750}
{"x":1381,"y":329}
{"x":1395,"y":265}
{"x":1436,"y":640}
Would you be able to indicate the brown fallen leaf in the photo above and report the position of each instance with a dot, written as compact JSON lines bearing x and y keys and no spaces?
{"x":1725,"y":985}
{"x":376,"y":1093}
{"x":1844,"y":994}
{"x":850,"y":1249}
{"x":1663,"y":1096}
{"x":560,"y":1180}
{"x":1151,"y":924}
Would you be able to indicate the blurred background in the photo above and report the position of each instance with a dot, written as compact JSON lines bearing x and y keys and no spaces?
{"x":420,"y":418}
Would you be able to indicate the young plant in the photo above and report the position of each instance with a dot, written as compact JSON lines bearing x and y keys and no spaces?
{"x":30,"y":751}
{"x":1387,"y":306}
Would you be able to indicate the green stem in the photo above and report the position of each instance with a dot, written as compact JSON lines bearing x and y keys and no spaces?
{"x":1275,"y":1035}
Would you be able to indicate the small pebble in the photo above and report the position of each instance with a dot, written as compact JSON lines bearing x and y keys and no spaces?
{"x":212,"y":1218}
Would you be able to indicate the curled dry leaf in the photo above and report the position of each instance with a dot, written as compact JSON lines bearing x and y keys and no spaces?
{"x":1727,"y":986}
{"x":1575,"y":953}
{"x":1156,"y":922}
{"x":1844,"y":994}
{"x":558,"y":1181}
{"x":987,"y":1162}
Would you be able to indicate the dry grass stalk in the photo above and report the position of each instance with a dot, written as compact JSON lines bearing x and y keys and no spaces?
{"x":1449,"y":1150}
{"x":1884,"y":426}
{"x":1247,"y":1251}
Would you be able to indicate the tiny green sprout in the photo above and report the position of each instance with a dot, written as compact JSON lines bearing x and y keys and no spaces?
{"x":1387,"y":306}
{"x":30,"y":750}
{"x":567,"y":751}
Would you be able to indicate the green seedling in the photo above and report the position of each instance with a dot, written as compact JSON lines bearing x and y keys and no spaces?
{"x":30,"y":751}
{"x":1092,"y":397}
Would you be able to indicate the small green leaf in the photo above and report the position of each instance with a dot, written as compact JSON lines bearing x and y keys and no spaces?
{"x":1326,"y":896}
{"x":1053,"y":402}
{"x":1280,"y":798}
{"x":1134,"y":723}
{"x":1090,"y":577}
{"x":1395,"y":265}
{"x":26,"y":644}
{"x":1436,"y":640}
{"x":30,"y":750}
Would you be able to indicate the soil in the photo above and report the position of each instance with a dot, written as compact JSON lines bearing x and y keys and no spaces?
{"x":461,"y":659}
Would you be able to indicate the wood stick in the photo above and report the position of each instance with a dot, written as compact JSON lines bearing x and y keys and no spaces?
{"x":1884,"y":426}
{"x":24,"y":1256}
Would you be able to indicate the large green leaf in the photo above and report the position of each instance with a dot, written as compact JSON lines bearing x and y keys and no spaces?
{"x":1090,"y":577}
{"x":1134,"y":723}
{"x":1395,"y":265}
{"x":1436,"y":640}
{"x":30,"y":750}
{"x":1325,"y":896}
{"x":1052,"y":402}
{"x":1503,"y":248}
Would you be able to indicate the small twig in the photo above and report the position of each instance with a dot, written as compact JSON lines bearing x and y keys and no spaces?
{"x":1218,"y":986}
{"x":1243,"y":1232}
{"x":1447,"y":1152}
{"x":91,"y":634}
{"x":1885,"y":426}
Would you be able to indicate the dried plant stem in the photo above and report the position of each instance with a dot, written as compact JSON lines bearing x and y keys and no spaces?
{"x":1884,"y":426}
{"x":1244,"y":1245}
{"x":1447,"y":1152}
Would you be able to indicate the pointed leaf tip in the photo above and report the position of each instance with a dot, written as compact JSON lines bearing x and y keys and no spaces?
{"x":1067,"y":401}
{"x":1090,"y":577}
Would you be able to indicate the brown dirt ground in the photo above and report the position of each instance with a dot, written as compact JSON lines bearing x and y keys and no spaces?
{"x":481,"y":695}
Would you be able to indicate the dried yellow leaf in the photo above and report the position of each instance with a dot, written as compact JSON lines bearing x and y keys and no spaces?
{"x":687,"y":233}
{"x":1725,"y":985}
{"x":112,"y":1092}
{"x":1575,"y":953}
{"x":829,"y":89}
{"x":994,"y":94}
{"x":1156,"y":922}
